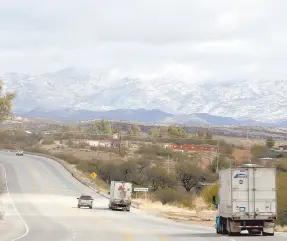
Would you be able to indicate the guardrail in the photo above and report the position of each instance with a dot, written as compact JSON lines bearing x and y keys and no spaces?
{"x":67,"y":166}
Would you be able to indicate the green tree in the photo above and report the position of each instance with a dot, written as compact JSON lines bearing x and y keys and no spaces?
{"x":116,"y":129}
{"x":282,"y":198}
{"x":200,"y":133}
{"x":80,"y":127}
{"x":20,"y":129}
{"x":136,"y":130}
{"x":223,"y":163}
{"x":258,"y":151}
{"x":154,"y":132}
{"x":163,"y":132}
{"x":104,"y":127}
{"x":94,"y":129}
{"x":208,"y":193}
{"x":159,"y":178}
{"x":127,"y":171}
{"x":208,"y":135}
{"x":6,"y":99}
{"x":129,"y":131}
{"x":176,"y":132}
{"x":225,"y":148}
{"x":270,"y":142}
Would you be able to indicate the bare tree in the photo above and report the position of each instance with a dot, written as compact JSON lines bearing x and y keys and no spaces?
{"x":189,"y":175}
{"x":159,"y":178}
{"x":142,"y":164}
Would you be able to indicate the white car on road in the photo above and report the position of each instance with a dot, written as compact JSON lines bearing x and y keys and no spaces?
{"x":19,"y":153}
{"x":85,"y":201}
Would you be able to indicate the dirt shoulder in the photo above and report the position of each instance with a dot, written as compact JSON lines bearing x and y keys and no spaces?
{"x":200,"y":215}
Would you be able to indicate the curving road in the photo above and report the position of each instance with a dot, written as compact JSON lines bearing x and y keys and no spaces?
{"x":41,"y":205}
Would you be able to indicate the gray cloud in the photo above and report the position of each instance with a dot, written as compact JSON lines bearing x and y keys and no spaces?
{"x":194,"y":40}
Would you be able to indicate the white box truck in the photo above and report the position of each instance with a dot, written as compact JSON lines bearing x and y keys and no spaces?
{"x":247,"y":200}
{"x":120,"y":195}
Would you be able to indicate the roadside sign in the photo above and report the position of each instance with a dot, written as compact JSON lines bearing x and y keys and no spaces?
{"x":141,"y":189}
{"x":94,"y":175}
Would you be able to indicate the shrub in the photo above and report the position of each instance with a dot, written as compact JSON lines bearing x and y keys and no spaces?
{"x":122,"y":152}
{"x":208,"y":192}
{"x":88,"y":166}
{"x":68,"y":158}
{"x":156,"y":149}
{"x":84,"y":167}
{"x":166,"y":196}
{"x":37,"y":150}
{"x":175,"y":196}
{"x":281,"y":166}
{"x":48,"y":142}
{"x":186,"y":200}
{"x":282,"y":198}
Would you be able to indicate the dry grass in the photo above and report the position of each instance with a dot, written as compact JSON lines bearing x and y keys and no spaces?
{"x":85,"y":154}
{"x":201,"y":214}
{"x":240,"y":156}
{"x":281,"y":229}
{"x":239,"y":141}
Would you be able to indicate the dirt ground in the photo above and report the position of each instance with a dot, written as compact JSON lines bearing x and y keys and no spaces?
{"x":240,"y":156}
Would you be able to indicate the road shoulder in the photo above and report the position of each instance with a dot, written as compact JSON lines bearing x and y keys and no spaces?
{"x":11,"y":225}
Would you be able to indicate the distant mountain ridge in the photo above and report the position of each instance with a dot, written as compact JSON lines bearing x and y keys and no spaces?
{"x":74,"y":89}
{"x":138,"y":115}
{"x":143,"y":115}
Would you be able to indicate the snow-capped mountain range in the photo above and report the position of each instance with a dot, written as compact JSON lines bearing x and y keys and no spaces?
{"x":264,"y":101}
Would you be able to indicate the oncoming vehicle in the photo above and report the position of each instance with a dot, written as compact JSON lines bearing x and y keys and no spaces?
{"x":85,"y":201}
{"x":19,"y":153}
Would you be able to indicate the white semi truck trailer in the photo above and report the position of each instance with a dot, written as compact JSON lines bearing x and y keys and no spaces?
{"x":247,"y":200}
{"x":120,"y":195}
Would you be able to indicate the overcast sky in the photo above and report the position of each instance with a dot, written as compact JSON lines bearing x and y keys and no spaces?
{"x":193,"y":40}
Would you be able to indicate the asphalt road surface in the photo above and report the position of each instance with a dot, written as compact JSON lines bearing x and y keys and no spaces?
{"x":41,"y":205}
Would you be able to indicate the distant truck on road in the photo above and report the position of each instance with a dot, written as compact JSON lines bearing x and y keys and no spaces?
{"x":247,"y":200}
{"x":120,"y":195}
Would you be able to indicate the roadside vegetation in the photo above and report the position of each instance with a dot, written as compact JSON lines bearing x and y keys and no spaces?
{"x":6,"y":99}
{"x":173,"y":177}
{"x":147,"y":168}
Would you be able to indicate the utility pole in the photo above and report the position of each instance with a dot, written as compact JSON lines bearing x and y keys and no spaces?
{"x":168,"y":170}
{"x":249,"y":149}
{"x":217,"y":157}
{"x":120,"y":138}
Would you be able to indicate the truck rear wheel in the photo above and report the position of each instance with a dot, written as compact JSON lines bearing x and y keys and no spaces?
{"x":229,"y":232}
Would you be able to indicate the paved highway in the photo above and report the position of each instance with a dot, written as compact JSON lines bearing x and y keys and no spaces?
{"x":41,"y":205}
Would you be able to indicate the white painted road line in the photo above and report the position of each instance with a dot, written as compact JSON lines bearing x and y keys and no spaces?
{"x":13,"y":204}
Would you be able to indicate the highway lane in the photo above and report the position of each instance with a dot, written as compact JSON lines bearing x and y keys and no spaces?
{"x":44,"y":194}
